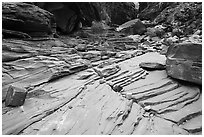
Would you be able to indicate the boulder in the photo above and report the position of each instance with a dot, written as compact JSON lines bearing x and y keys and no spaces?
{"x":155,"y":31}
{"x":15,"y":96}
{"x":27,"y":18}
{"x":132,"y":27}
{"x":184,"y":62}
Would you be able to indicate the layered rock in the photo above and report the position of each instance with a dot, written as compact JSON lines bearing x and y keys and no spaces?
{"x":27,"y":18}
{"x":184,"y":61}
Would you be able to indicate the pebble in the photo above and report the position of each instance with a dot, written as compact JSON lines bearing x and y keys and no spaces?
{"x":129,"y":95}
{"x":151,"y":115}
{"x":22,"y":109}
{"x":117,"y":88}
{"x":147,"y":108}
{"x":101,"y":81}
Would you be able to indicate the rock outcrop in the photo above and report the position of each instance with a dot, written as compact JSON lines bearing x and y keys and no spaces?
{"x":184,"y":61}
{"x":27,"y":18}
{"x":150,"y":10}
{"x":183,"y":17}
{"x":69,"y":14}
{"x":97,"y":81}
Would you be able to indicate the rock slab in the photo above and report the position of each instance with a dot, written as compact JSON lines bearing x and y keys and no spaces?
{"x":152,"y":66}
{"x":184,"y":62}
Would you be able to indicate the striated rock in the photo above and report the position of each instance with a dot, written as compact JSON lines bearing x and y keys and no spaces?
{"x":14,"y":34}
{"x":184,"y":61}
{"x":27,"y":18}
{"x":133,"y":27}
{"x":15,"y":96}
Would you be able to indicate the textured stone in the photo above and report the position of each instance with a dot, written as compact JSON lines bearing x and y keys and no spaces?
{"x":70,"y":16}
{"x":184,"y":61}
{"x":152,"y":66}
{"x":15,"y":96}
{"x":152,"y":9}
{"x":27,"y":18}
{"x":133,"y":27}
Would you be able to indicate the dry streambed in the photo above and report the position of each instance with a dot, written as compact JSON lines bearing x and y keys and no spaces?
{"x":73,"y":92}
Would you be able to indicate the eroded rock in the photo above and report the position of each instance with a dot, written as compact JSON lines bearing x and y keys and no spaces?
{"x":152,"y":66}
{"x":15,"y":96}
{"x":133,"y":27}
{"x":184,"y":61}
{"x":27,"y":18}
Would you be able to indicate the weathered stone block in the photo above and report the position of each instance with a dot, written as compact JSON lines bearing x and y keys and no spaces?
{"x":184,"y":62}
{"x":15,"y":96}
{"x":133,"y":27}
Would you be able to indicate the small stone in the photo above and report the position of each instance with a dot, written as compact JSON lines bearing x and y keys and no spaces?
{"x":70,"y":107}
{"x":151,"y":115}
{"x":145,"y":115}
{"x":143,"y":77}
{"x":147,"y":108}
{"x":104,"y":57}
{"x":101,"y":81}
{"x":110,"y":84}
{"x":81,"y":47}
{"x":129,"y":95}
{"x":117,"y":88}
{"x":15,"y":96}
{"x":21,"y":108}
